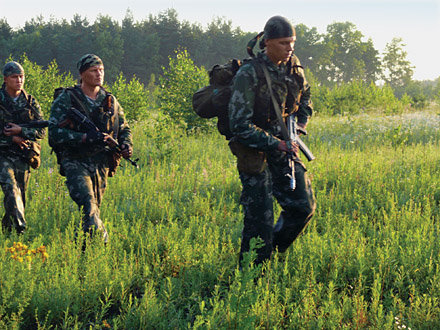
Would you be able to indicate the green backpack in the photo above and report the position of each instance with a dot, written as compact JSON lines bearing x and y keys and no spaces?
{"x":212,"y":100}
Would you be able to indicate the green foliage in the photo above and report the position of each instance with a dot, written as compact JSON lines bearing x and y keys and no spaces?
{"x":142,"y":48}
{"x":358,"y":97}
{"x":136,"y":100}
{"x":397,"y":68}
{"x":368,"y":260}
{"x":177,"y":85}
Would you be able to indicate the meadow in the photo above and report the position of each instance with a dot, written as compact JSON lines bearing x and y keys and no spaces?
{"x":368,"y":260}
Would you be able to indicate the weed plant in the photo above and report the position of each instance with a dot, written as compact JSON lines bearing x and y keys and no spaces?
{"x":368,"y":260}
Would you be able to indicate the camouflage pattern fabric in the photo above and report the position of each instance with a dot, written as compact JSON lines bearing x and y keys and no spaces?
{"x":14,"y":168}
{"x":244,"y":100}
{"x":86,"y":179}
{"x":258,"y":190}
{"x":86,"y":165}
{"x":14,"y":178}
{"x":11,"y":68}
{"x":257,"y":200}
{"x":87,"y":61}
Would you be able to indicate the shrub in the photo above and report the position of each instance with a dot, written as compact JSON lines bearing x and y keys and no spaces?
{"x":177,"y":85}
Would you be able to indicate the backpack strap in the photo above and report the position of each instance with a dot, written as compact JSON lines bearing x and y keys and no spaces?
{"x":29,"y":99}
{"x":109,"y":99}
{"x":276,"y":106}
{"x":76,"y":100}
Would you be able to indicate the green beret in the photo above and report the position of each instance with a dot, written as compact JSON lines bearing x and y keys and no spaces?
{"x":87,"y":61}
{"x":11,"y":68}
{"x":278,"y":27}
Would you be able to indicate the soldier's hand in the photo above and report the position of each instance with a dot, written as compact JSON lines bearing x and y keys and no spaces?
{"x":127,"y":151}
{"x":21,"y":142}
{"x":283,"y":147}
{"x":12,"y":129}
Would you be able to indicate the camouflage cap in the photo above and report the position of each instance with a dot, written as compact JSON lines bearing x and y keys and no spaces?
{"x":278,"y":27}
{"x":87,"y":61}
{"x":11,"y":68}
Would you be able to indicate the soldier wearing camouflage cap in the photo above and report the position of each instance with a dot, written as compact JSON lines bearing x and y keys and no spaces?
{"x":86,"y":157}
{"x":259,"y":145}
{"x":16,"y":108}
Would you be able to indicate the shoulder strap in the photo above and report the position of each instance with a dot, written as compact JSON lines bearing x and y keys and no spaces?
{"x":84,"y":109}
{"x":109,"y":98}
{"x":276,"y":106}
{"x":29,"y":102}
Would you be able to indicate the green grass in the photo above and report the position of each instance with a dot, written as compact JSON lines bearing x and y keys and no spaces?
{"x":368,"y":260}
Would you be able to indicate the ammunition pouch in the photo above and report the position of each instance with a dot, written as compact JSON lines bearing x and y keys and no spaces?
{"x":113,"y":163}
{"x":33,"y":154}
{"x":249,"y":160}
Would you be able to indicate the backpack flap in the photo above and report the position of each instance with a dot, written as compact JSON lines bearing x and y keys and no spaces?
{"x":202,"y":102}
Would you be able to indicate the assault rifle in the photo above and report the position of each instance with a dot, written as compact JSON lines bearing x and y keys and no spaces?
{"x":80,"y":119}
{"x":293,"y":129}
{"x":293,"y":137}
{"x":33,"y":124}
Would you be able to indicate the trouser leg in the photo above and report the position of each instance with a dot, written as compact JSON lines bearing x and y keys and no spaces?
{"x":298,"y":205}
{"x":14,"y":208}
{"x":257,"y":202}
{"x":86,"y":188}
{"x":14,"y":178}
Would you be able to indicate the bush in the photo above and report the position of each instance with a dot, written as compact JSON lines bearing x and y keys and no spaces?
{"x":357,"y":97}
{"x":177,"y":85}
{"x":132,"y":96}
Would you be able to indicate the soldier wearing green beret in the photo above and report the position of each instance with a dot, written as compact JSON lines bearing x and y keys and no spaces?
{"x":16,"y":107}
{"x":253,"y":122}
{"x":86,"y":157}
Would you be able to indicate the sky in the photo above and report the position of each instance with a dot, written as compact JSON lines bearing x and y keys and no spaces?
{"x":417,"y":22}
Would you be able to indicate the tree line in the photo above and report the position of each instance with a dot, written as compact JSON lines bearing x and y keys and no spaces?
{"x":142,"y":49}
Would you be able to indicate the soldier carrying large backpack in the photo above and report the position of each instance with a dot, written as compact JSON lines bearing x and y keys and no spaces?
{"x":253,"y":99}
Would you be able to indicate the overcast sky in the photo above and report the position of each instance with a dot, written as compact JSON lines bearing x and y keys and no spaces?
{"x":417,"y":22}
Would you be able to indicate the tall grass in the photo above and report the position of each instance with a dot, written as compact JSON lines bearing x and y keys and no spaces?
{"x":369,"y":259}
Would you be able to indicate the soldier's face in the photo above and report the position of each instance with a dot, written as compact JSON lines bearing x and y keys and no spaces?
{"x":14,"y":82}
{"x":93,"y":76}
{"x":280,"y":49}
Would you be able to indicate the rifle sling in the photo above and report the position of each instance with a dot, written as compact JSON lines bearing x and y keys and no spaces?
{"x":276,"y":107}
{"x":81,"y":104}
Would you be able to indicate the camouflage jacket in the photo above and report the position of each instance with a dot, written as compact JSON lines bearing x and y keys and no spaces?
{"x":68,"y":139}
{"x":24,"y":109}
{"x":251,"y":113}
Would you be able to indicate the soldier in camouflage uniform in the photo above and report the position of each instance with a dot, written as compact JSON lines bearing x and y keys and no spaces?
{"x":253,"y":123}
{"x":84,"y":157}
{"x":16,"y":107}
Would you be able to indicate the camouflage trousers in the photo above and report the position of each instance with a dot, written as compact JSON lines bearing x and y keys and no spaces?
{"x":297,"y":205}
{"x":14,"y":179}
{"x":86,"y":179}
